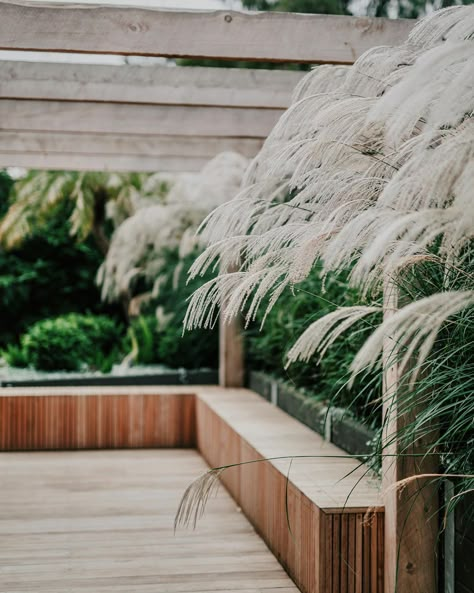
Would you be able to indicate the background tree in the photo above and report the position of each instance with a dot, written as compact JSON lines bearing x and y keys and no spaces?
{"x":48,"y":273}
{"x":411,"y":9}
{"x":97,"y":201}
{"x":304,"y":6}
{"x":6,"y":183}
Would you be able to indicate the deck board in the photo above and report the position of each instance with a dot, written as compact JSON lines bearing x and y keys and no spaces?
{"x":102,"y":521}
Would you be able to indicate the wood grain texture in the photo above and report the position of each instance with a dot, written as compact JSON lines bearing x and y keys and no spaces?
{"x":96,"y":421}
{"x":74,"y":135}
{"x":127,"y":145}
{"x":411,"y":515}
{"x":71,"y":161}
{"x":231,"y":344}
{"x":102,"y":522}
{"x":231,"y":353}
{"x":326,"y":542}
{"x":223,"y":87}
{"x":120,"y":118}
{"x":219,"y":34}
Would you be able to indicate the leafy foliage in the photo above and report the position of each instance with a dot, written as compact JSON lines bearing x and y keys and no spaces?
{"x":94,"y":200}
{"x":303,"y":6}
{"x":399,"y":8}
{"x":6,"y":184}
{"x":148,"y":259}
{"x":326,"y":379}
{"x":69,"y":343}
{"x":48,"y":275}
{"x":441,"y":390}
{"x":157,"y":336}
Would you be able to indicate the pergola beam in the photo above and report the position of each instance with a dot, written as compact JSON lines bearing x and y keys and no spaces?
{"x":216,"y":87}
{"x":103,"y":117}
{"x":102,"y":162}
{"x":119,"y":144}
{"x":227,"y":35}
{"x":120,"y":118}
{"x":115,"y":151}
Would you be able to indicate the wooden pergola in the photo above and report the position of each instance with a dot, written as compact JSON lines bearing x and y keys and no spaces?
{"x":158,"y":118}
{"x":87,"y":117}
{"x":139,"y":118}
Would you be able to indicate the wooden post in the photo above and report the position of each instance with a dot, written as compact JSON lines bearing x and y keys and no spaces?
{"x":411,"y":521}
{"x":231,"y":344}
{"x":231,"y":353}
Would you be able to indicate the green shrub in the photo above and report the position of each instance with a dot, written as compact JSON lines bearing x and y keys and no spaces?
{"x":267,"y":346}
{"x":71,"y":342}
{"x":48,"y":276}
{"x":151,"y":344}
{"x":15,"y":356}
{"x":191,"y":350}
{"x":142,"y":336}
{"x":163,"y":342}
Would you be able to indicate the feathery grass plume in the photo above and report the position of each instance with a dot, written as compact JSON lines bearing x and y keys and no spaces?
{"x":138,"y":246}
{"x":373,"y":170}
{"x":323,"y":79}
{"x":194,"y":500}
{"x":321,"y":334}
{"x":425,"y":91}
{"x":345,"y":177}
{"x":413,"y":328}
{"x":368,"y":76}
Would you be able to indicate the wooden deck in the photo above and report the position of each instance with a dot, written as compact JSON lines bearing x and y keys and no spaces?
{"x":334,"y":546}
{"x":102,"y":522}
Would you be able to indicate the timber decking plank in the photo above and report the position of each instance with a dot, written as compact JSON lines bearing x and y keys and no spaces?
{"x":102,"y":521}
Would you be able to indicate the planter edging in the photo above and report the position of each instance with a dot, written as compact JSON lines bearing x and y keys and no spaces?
{"x":184,"y":377}
{"x":332,"y":423}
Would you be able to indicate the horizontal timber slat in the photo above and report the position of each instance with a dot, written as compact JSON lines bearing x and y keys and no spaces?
{"x":279,"y":37}
{"x":101,"y":162}
{"x":334,"y":545}
{"x":100,"y":420}
{"x":224,"y":87}
{"x":116,"y":118}
{"x":204,"y":147}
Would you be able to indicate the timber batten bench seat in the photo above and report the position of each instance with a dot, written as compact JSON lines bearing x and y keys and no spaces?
{"x":324,"y":538}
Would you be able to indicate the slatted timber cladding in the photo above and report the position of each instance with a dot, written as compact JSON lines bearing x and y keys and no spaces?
{"x":98,"y":421}
{"x":325,"y":550}
{"x":327,"y":542}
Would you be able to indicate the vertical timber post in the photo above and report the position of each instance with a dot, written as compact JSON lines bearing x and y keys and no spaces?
{"x":411,"y":519}
{"x":231,"y":345}
{"x":231,"y":353}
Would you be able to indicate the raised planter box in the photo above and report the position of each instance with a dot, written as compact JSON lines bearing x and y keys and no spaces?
{"x":333,"y":423}
{"x":193,"y":377}
{"x":464,"y":545}
{"x":334,"y":545}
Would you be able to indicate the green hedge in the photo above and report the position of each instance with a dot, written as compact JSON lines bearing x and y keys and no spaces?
{"x":69,"y":343}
